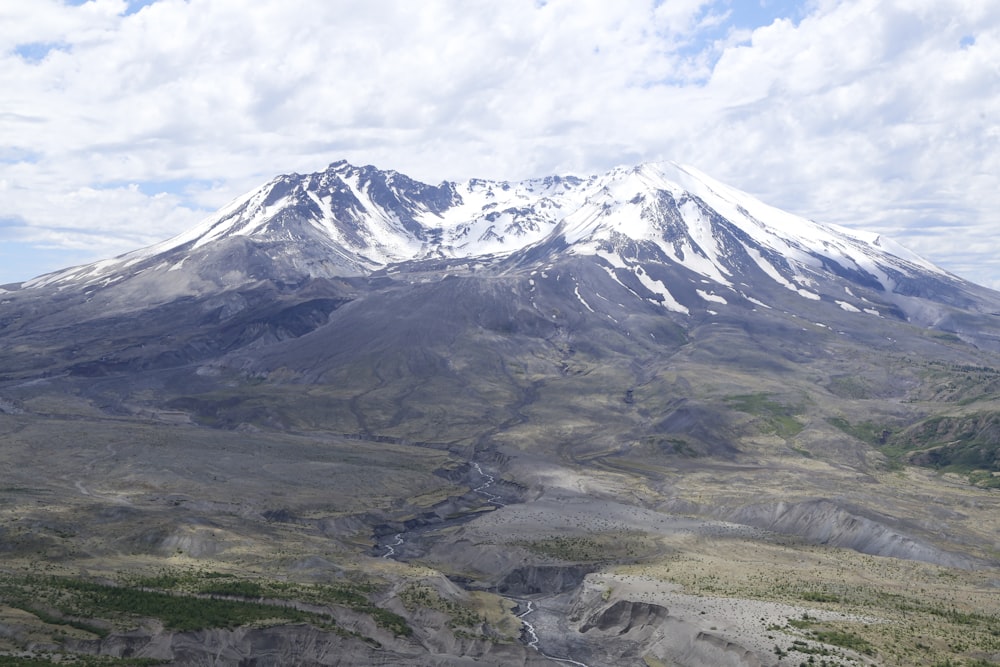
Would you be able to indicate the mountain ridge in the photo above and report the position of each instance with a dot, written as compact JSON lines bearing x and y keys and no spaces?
{"x":349,"y":222}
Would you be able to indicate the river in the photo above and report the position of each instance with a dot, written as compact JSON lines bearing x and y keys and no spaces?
{"x":529,"y":634}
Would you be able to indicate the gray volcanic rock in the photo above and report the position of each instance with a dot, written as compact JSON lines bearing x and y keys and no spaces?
{"x":825,"y":522}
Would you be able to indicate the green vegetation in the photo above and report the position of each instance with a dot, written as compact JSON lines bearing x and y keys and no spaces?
{"x":849,"y":386}
{"x":184,"y":601}
{"x":819,"y":632}
{"x":461,"y":616}
{"x":963,"y":384}
{"x":986,"y":479}
{"x":75,"y":660}
{"x":351,"y":595}
{"x":967,"y":444}
{"x":177,"y":612}
{"x":673,"y":445}
{"x":819,"y":596}
{"x":52,"y":619}
{"x":604,"y":547}
{"x":866,"y":431}
{"x":773,"y":417}
{"x":847,"y":640}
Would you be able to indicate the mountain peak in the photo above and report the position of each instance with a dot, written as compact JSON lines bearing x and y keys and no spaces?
{"x":660,"y":225}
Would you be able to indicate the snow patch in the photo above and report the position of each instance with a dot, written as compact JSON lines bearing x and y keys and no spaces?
{"x":576,"y":290}
{"x":807,"y":294}
{"x":707,"y":296}
{"x":757,"y":302}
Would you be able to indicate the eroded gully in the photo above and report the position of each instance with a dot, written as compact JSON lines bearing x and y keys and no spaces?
{"x":529,"y":633}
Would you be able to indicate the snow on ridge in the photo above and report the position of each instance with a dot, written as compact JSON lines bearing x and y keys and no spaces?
{"x":654,"y":286}
{"x":496,"y":217}
{"x":737,"y":205}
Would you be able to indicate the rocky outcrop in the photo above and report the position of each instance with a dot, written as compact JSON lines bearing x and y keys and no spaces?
{"x":625,"y":616}
{"x":542,"y":579}
{"x":708,"y":649}
{"x":826,"y":522}
{"x":644,"y":631}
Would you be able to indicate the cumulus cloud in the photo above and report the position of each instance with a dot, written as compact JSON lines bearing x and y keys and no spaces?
{"x":878,"y":114}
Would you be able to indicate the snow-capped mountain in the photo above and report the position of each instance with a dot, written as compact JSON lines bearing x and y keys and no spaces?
{"x":668,"y":226}
{"x":640,"y":249}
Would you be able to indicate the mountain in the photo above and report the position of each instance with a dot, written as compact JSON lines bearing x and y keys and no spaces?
{"x":551,"y":392}
{"x":350,"y":221}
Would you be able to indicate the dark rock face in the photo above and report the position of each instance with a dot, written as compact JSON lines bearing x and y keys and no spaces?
{"x":625,"y":615}
{"x":628,"y":631}
{"x":542,"y":579}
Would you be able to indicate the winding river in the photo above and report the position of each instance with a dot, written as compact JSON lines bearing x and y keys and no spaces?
{"x":392,"y":547}
{"x":529,"y":632}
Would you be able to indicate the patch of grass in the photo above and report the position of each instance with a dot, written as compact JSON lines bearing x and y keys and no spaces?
{"x":77,"y":660}
{"x":819,"y":596}
{"x":866,"y":431}
{"x":186,"y":601}
{"x":986,"y":479}
{"x":351,"y":595}
{"x":963,"y":384}
{"x":52,"y":619}
{"x":658,"y":444}
{"x":966,"y":444}
{"x":595,"y":548}
{"x":235,"y":587}
{"x":177,"y":612}
{"x":461,"y":616}
{"x":774,"y":417}
{"x":847,"y":640}
{"x":848,"y":386}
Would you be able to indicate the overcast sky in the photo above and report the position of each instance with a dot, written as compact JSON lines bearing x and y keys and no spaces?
{"x":123,"y":123}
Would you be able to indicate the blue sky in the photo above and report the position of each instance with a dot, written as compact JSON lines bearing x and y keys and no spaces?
{"x":126,"y":122}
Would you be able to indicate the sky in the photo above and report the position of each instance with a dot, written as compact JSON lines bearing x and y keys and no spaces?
{"x":125,"y":122}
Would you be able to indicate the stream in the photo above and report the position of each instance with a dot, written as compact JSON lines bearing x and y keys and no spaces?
{"x":529,"y":632}
{"x":488,"y":482}
{"x":392,"y":547}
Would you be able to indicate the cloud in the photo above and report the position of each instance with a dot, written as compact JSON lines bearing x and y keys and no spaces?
{"x":874,"y":114}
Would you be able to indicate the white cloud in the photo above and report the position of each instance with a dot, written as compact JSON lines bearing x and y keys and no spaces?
{"x":877,"y":114}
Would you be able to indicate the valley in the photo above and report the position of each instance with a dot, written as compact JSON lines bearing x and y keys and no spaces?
{"x":638,"y":553}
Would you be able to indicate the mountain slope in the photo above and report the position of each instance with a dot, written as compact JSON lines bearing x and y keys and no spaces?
{"x":666,"y":235}
{"x":349,"y":221}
